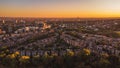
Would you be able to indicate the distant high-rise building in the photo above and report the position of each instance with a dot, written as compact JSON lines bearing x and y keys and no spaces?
{"x":16,"y":21}
{"x":3,"y":21}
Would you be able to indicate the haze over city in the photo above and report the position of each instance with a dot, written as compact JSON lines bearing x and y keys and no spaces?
{"x":60,"y":8}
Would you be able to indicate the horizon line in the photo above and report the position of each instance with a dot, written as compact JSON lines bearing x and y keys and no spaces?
{"x":53,"y":17}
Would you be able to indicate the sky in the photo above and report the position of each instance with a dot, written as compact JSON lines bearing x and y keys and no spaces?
{"x":60,"y":8}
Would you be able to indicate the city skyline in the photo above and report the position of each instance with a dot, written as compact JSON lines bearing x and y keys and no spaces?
{"x":60,"y":8}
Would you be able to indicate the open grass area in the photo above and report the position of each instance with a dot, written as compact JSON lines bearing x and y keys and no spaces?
{"x":118,"y":32}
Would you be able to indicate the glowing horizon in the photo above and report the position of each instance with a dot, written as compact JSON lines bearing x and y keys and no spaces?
{"x":60,"y":8}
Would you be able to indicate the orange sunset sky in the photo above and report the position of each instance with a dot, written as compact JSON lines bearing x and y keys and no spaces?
{"x":60,"y":8}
